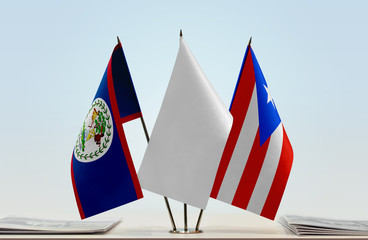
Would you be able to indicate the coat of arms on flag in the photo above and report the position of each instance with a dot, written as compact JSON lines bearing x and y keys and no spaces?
{"x":103,"y":173}
{"x":95,"y":137}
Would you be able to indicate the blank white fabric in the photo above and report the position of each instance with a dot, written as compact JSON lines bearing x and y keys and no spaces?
{"x":188,"y":138}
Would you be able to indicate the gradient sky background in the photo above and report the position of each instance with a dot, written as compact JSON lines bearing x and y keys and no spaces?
{"x":313,"y":55}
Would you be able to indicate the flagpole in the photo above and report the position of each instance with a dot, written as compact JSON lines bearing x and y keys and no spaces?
{"x":199,"y":220}
{"x":170,"y":213}
{"x":185,"y":218}
{"x":145,"y":129}
{"x":185,"y":205}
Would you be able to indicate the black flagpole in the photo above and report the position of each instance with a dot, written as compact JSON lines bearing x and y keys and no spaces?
{"x":185,"y":218}
{"x":199,"y":220}
{"x":185,"y":205}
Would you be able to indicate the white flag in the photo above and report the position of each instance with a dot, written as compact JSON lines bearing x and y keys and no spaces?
{"x":188,"y":138}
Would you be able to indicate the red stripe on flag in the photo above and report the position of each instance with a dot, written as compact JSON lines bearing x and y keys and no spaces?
{"x":131,"y":117}
{"x":117,"y":46}
{"x":81,"y":213}
{"x":251,"y":172}
{"x":118,"y":123}
{"x":239,"y":108}
{"x":279,"y":182}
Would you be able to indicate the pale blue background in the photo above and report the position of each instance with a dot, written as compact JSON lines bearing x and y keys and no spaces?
{"x":313,"y":55}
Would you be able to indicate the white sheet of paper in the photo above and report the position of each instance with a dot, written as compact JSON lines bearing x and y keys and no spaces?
{"x":36,"y":225}
{"x":302,"y":225}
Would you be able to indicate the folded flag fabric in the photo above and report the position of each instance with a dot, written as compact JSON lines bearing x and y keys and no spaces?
{"x":102,"y":170}
{"x":188,"y":138}
{"x":257,"y":158}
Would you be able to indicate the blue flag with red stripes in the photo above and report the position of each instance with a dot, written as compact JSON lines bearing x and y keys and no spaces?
{"x":102,"y":170}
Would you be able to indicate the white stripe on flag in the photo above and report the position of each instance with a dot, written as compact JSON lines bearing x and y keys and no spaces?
{"x":241,"y":152}
{"x":267,"y":173}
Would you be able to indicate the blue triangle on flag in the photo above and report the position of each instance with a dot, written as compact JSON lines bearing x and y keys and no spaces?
{"x":269,"y":118}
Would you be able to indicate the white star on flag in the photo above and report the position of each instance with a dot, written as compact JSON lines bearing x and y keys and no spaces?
{"x":269,"y":98}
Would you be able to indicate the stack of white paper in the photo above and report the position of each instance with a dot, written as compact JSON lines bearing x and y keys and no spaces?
{"x":322,"y":226}
{"x":43,"y":226}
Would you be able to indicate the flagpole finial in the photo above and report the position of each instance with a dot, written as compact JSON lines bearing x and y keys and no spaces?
{"x":181,"y":33}
{"x":250,"y":41}
{"x":118,"y":39}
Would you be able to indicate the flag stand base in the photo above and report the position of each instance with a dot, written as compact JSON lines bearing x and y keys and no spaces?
{"x":186,"y":230}
{"x":182,"y":231}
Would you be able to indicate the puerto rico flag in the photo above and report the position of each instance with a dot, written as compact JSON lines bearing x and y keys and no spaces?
{"x":102,"y":169}
{"x":257,"y":158}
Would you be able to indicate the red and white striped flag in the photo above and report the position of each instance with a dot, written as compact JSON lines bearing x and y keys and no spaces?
{"x":257,"y":158}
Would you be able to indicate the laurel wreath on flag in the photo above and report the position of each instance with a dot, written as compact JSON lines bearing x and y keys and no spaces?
{"x":102,"y":105}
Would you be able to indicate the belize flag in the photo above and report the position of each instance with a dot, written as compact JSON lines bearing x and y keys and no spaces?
{"x":102,"y":170}
{"x":257,"y":158}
